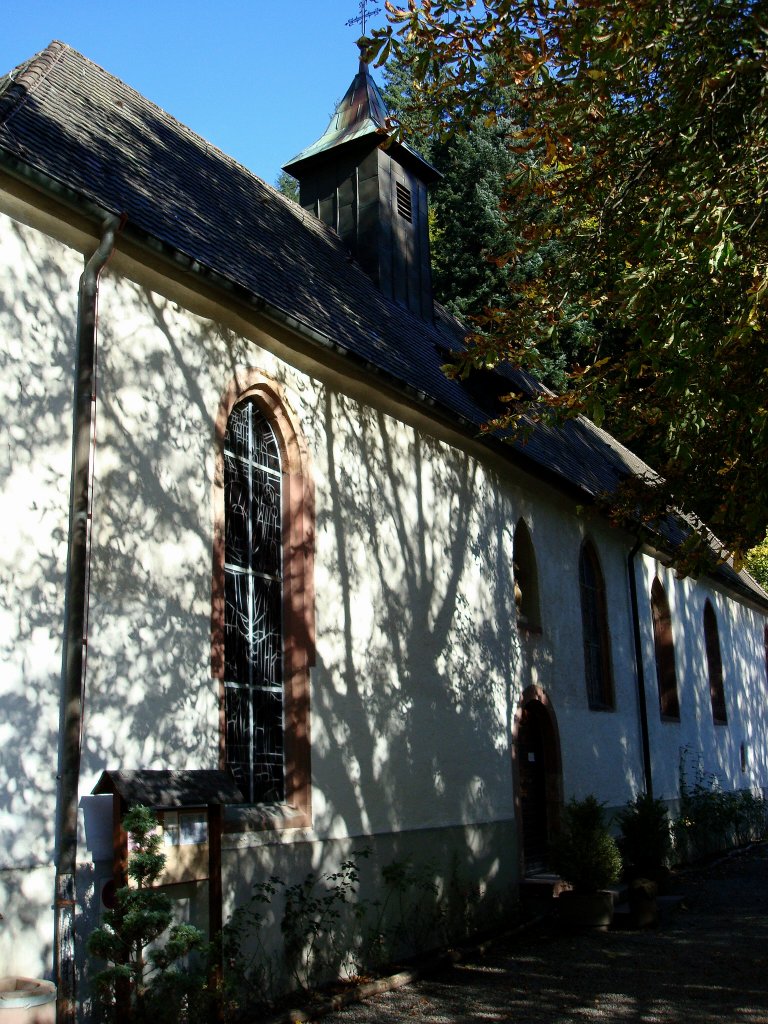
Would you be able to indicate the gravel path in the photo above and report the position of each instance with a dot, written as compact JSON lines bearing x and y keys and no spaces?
{"x":706,"y":964}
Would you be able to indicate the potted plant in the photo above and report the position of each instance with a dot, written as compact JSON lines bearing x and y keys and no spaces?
{"x":645,"y":839}
{"x":586,"y":856}
{"x":645,"y":842}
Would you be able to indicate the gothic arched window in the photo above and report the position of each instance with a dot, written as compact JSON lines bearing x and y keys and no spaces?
{"x":664,"y":648}
{"x":263,"y":599}
{"x":714,"y":665}
{"x":526,"y":579}
{"x":594,"y":620}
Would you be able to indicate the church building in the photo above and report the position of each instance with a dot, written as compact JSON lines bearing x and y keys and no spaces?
{"x":263,"y":571}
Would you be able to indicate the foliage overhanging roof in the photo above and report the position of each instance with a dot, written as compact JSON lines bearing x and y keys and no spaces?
{"x":68,"y":124}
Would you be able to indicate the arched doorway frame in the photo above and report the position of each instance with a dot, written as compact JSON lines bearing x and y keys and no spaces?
{"x":536,"y":703}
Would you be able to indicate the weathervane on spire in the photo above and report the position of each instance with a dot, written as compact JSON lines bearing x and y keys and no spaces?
{"x":364,"y":13}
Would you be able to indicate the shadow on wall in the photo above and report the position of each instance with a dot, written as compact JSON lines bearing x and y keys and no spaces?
{"x":36,"y":381}
{"x":743,"y":672}
{"x":416,"y":663}
{"x":360,"y":906}
{"x":413,"y":692}
{"x":151,"y":699}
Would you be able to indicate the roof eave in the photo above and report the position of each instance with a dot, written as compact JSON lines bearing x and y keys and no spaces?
{"x":85,"y":206}
{"x":333,"y":140}
{"x":327,"y":145}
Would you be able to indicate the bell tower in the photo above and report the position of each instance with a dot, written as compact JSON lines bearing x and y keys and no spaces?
{"x":372,"y":190}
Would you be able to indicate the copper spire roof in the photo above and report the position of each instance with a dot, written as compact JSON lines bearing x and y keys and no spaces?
{"x":362,"y":112}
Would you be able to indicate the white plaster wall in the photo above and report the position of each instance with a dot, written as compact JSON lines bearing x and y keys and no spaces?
{"x":715,"y":747}
{"x":150,"y":699}
{"x":601,"y":750}
{"x":26,"y":933}
{"x":414,"y":654}
{"x":419,"y":661}
{"x":38,"y":302}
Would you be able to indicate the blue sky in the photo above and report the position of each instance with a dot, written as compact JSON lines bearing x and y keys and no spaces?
{"x":258,"y":78}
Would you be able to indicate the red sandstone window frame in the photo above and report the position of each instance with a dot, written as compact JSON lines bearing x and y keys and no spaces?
{"x":598,"y":667}
{"x":714,"y":665}
{"x":298,"y":511}
{"x":664,"y":650}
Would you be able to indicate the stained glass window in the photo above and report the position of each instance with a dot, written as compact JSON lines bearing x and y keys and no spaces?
{"x":253,"y":628}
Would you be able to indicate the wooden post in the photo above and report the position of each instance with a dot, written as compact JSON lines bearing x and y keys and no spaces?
{"x":119,"y":843}
{"x":215,"y":915}
{"x":120,"y":877}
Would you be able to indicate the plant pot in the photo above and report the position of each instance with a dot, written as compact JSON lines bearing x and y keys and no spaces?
{"x":27,"y":1001}
{"x":643,"y":905}
{"x":582,"y":910}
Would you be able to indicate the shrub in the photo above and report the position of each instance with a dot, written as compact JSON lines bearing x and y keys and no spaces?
{"x":584,"y":853}
{"x":140,"y":984}
{"x":711,"y":820}
{"x":646,"y":840}
{"x":328,"y":930}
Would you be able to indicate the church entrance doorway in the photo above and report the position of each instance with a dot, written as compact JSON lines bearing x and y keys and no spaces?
{"x":539,"y":779}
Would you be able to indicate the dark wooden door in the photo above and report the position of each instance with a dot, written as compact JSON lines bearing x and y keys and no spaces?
{"x":533,"y":791}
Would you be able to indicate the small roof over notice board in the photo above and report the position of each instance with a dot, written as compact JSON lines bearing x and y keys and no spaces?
{"x":169,"y":789}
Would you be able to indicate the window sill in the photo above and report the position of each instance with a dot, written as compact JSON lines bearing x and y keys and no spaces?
{"x":264,"y":818}
{"x":528,"y":628}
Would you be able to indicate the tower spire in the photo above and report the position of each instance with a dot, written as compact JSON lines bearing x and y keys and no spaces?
{"x":374,"y":197}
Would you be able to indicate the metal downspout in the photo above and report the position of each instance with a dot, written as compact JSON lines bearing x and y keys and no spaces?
{"x":641,"y":696}
{"x":74,"y":626}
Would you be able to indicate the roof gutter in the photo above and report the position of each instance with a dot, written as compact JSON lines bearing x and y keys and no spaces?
{"x":83,"y":205}
{"x":75,"y":624}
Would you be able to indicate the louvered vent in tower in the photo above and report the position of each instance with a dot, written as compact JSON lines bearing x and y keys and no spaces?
{"x":404,"y":202}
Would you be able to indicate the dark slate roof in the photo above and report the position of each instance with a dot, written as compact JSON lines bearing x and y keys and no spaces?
{"x":69,"y":120}
{"x":163,"y":788}
{"x":70,"y":126}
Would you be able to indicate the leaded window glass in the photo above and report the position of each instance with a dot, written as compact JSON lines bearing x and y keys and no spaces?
{"x":253,"y":628}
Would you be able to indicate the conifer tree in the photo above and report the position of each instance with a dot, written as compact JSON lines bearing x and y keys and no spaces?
{"x":140,"y":985}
